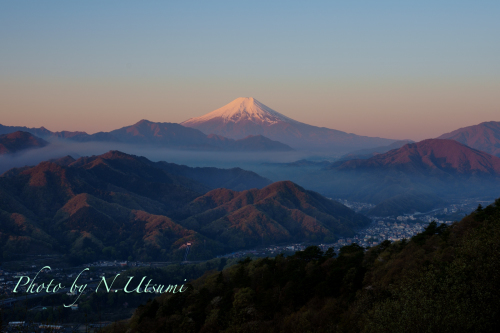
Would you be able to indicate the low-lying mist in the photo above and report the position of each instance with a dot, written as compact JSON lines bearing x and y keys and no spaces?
{"x":193,"y":158}
{"x":400,"y":191}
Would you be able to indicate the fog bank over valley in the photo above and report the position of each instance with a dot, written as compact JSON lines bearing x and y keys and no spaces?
{"x":194,"y":158}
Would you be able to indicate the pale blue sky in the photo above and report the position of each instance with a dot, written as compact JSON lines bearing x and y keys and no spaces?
{"x":385,"y":68}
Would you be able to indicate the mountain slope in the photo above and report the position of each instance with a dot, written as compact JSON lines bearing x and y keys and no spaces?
{"x":484,"y":137}
{"x":235,"y":179}
{"x":113,"y":205}
{"x":175,"y":135}
{"x":64,"y":135}
{"x":445,"y":168}
{"x":447,"y":275}
{"x":88,"y":223}
{"x":246,"y":116}
{"x":171,"y":134}
{"x":21,"y":235}
{"x":431,"y":156}
{"x":280,"y":212}
{"x":94,"y":198}
{"x":18,"y":141}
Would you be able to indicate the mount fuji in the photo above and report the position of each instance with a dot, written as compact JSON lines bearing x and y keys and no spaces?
{"x":247,"y":116}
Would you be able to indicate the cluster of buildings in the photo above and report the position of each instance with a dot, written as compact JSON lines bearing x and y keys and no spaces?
{"x":24,"y":326}
{"x":356,"y":206}
{"x":269,"y":251}
{"x":104,"y":263}
{"x":381,"y":228}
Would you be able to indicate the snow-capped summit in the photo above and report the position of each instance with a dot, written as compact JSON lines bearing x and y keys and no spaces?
{"x":247,"y":116}
{"x":241,"y":109}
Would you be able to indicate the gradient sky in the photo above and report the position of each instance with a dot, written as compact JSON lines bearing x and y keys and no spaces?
{"x":381,"y":68}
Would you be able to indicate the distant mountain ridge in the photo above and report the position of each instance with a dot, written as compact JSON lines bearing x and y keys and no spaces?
{"x":370,"y":152}
{"x":41,"y":131}
{"x":246,"y":116}
{"x":484,"y":137}
{"x":175,"y":135}
{"x":403,"y":180}
{"x":432,"y":155}
{"x":18,"y":141}
{"x":170,"y":135}
{"x":236,"y":178}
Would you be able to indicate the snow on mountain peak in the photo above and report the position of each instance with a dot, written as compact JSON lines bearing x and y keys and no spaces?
{"x":242,"y":109}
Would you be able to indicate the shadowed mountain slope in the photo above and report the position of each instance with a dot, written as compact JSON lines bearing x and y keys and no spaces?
{"x":106,"y":201}
{"x":123,"y":206}
{"x":280,"y":212}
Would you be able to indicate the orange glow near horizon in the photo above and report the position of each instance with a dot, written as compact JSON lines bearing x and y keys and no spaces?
{"x":399,"y":110}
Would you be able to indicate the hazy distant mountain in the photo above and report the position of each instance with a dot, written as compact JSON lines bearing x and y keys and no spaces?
{"x":370,"y":152}
{"x":260,"y":143}
{"x":303,"y":163}
{"x":246,"y":116}
{"x":175,"y":135}
{"x":17,"y":141}
{"x":235,"y":179}
{"x":484,"y":137}
{"x":404,"y":179}
{"x":47,"y":134}
{"x":168,"y":135}
{"x":40,"y":132}
{"x":412,"y":175}
{"x":432,"y":156}
{"x":280,"y":212}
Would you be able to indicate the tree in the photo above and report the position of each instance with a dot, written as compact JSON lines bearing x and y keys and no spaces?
{"x":310,"y":253}
{"x":330,"y":253}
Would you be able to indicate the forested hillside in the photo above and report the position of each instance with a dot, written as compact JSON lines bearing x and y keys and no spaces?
{"x":442,"y":280}
{"x":117,"y":206}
